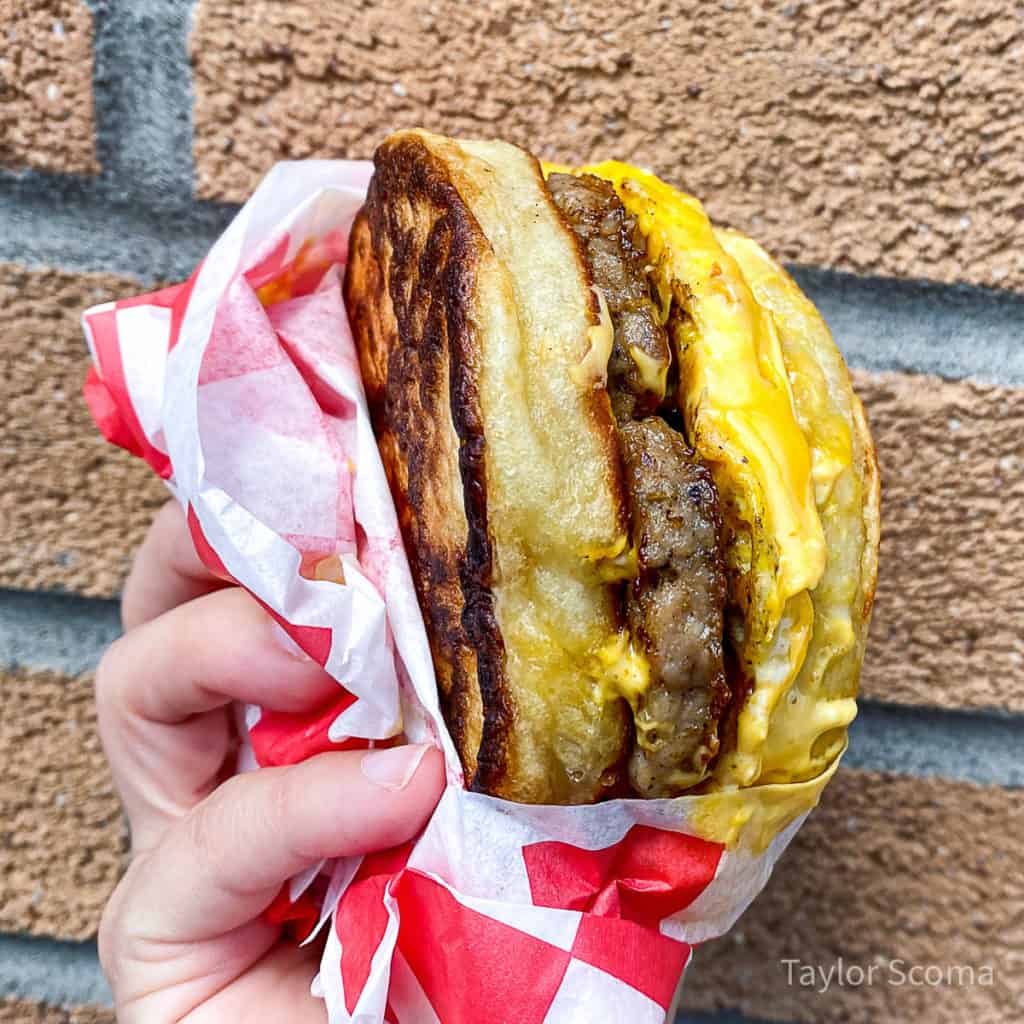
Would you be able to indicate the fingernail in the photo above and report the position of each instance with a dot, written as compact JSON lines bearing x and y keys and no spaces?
{"x":286,"y":643}
{"x":394,"y":767}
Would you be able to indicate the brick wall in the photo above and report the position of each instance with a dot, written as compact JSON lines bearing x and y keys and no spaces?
{"x":876,"y":146}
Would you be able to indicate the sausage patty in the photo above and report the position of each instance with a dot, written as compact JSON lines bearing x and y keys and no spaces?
{"x":615,"y":253}
{"x":674,"y":607}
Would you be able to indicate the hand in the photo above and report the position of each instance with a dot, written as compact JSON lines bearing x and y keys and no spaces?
{"x":182,"y":938}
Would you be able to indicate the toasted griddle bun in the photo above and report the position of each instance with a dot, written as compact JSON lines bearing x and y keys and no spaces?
{"x":472,"y":314}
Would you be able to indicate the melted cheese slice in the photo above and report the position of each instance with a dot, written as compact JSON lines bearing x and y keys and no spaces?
{"x":592,"y":370}
{"x":620,"y":670}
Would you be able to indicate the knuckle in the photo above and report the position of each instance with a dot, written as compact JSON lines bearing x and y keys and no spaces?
{"x":109,"y":678}
{"x":281,"y":803}
{"x":110,"y":931}
{"x":106,"y":936}
{"x":216,"y":823}
{"x":281,"y":793}
{"x":203,"y":823}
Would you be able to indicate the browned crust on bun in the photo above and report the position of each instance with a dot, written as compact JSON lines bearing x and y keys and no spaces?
{"x":411,"y":267}
{"x":497,"y":493}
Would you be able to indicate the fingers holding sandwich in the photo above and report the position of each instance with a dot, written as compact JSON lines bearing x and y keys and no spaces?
{"x":184,"y":933}
{"x":164,"y":691}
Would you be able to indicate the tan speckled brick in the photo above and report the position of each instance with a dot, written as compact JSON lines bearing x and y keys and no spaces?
{"x":881,"y":138}
{"x":20,"y":1011}
{"x":73,"y":508}
{"x":62,"y":838}
{"x":887,"y":869}
{"x":948,"y":625}
{"x":46,"y":106}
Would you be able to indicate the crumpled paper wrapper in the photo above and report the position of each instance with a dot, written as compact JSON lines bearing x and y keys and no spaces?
{"x":241,"y":388}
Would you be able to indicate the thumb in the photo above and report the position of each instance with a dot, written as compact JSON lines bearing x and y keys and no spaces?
{"x":222,"y":864}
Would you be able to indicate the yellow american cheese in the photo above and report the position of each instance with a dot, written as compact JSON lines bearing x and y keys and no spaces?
{"x":620,"y":670}
{"x":593,"y":367}
{"x":653,"y":373}
{"x":617,"y":562}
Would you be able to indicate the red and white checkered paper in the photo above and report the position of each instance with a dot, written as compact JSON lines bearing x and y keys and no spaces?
{"x":241,"y":388}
